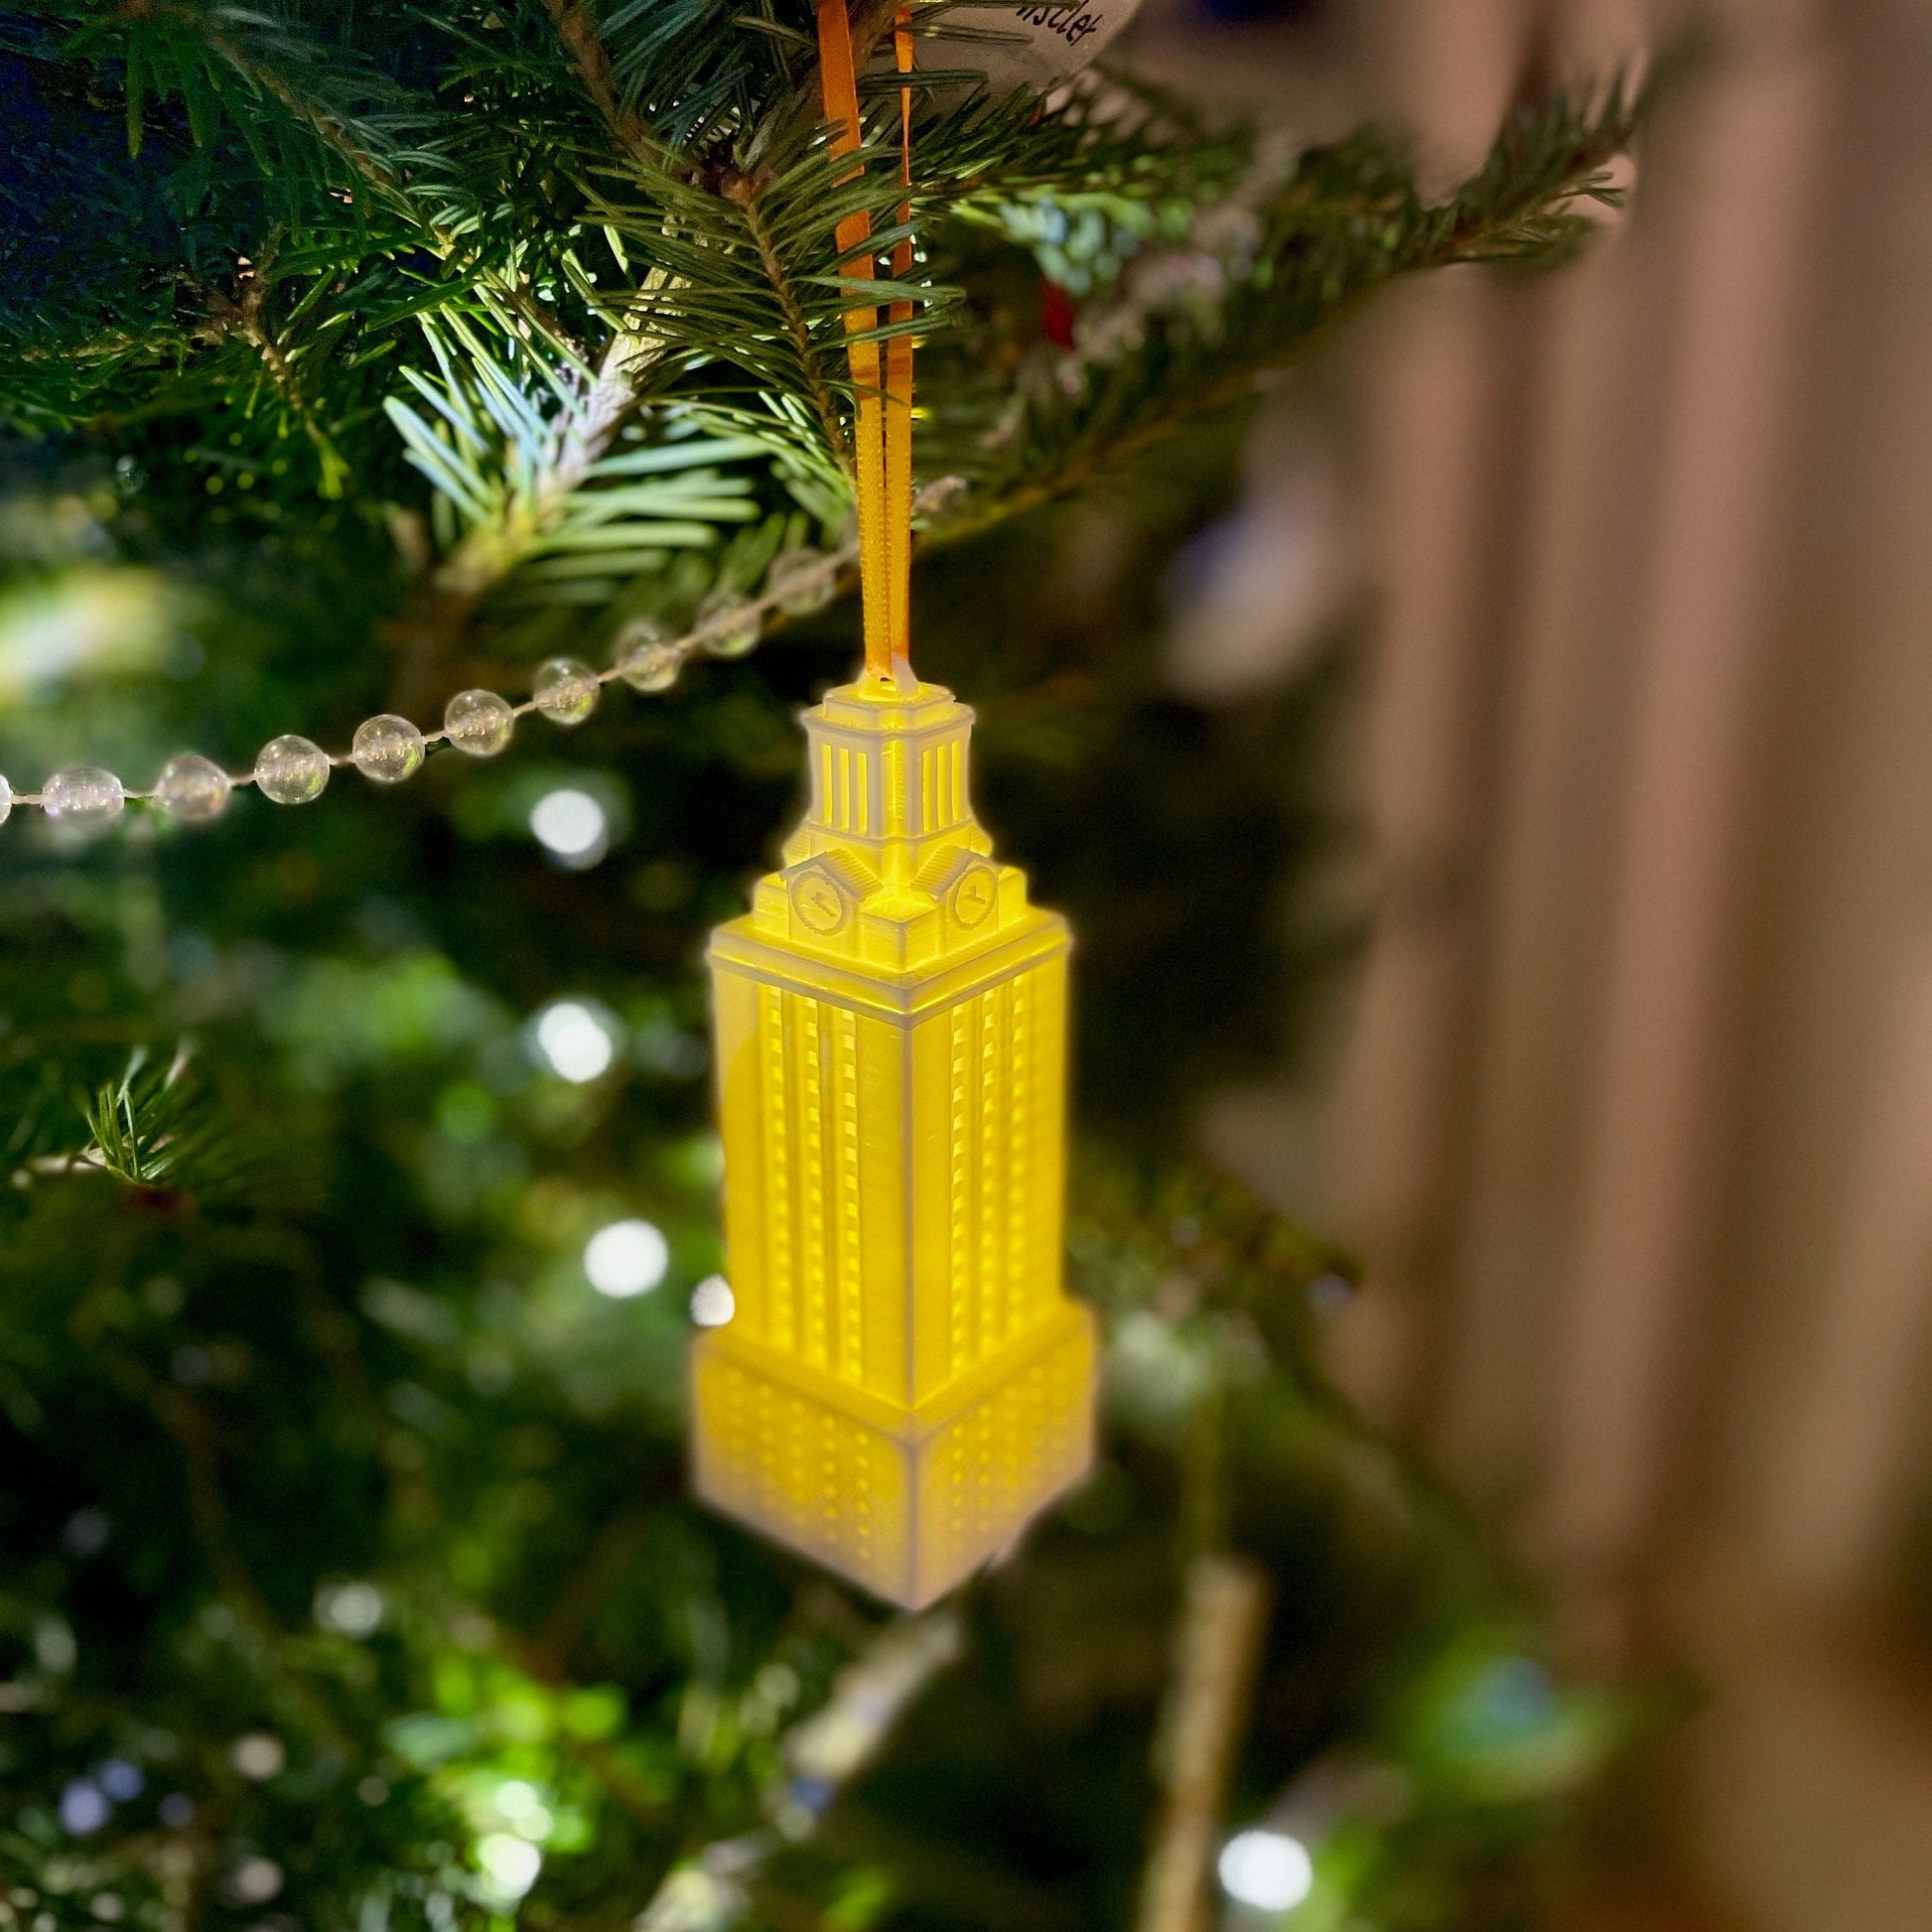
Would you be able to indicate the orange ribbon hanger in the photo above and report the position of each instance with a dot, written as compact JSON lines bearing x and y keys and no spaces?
{"x":883,"y":430}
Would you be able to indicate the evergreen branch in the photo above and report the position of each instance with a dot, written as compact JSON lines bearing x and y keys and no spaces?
{"x":153,"y":1128}
{"x":1207,"y":262}
{"x":1097,"y":458}
{"x":741,"y":190}
{"x":591,"y":428}
{"x":524,"y":461}
{"x":869,"y":22}
{"x":1192,"y":331}
{"x":588,"y":429}
{"x":1548,"y":156}
{"x":329,"y":128}
{"x":747,"y":193}
{"x":243,"y":317}
{"x":576,"y":29}
{"x":748,"y":270}
{"x":375,"y":163}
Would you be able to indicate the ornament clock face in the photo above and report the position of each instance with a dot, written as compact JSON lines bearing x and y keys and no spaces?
{"x":1027,"y":46}
{"x":973,"y":898}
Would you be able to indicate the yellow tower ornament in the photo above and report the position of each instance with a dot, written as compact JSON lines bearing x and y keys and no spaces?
{"x":904,"y":1384}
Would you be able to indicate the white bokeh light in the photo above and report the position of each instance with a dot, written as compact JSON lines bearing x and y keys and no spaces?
{"x":258,"y":1756}
{"x":254,"y":1881}
{"x":517,"y":1798}
{"x":521,"y":1804}
{"x":574,"y":1041}
{"x":627,"y":1257}
{"x":1266,"y":1869}
{"x":84,"y":1807}
{"x":712,"y":1302}
{"x":353,"y":1610}
{"x":572,"y":825}
{"x":510,"y":1864}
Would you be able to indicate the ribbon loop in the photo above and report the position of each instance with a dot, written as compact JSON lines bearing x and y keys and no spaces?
{"x":882,"y":384}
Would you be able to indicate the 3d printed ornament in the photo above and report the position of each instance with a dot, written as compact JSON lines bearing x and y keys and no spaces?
{"x":904,"y":1383}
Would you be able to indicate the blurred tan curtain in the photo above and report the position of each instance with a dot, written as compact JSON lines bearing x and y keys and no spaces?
{"x":1635,"y":1117}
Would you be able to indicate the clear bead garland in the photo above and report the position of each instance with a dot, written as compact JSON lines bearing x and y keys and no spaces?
{"x":803,"y":580}
{"x":294,"y":770}
{"x":84,"y":798}
{"x":478,"y":723}
{"x":646,"y":657}
{"x":193,"y":789}
{"x":387,"y":749}
{"x":725,"y":628}
{"x":567,"y":690}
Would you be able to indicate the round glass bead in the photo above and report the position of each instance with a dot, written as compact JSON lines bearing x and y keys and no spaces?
{"x":193,"y":789}
{"x":566,"y":690}
{"x":84,"y":798}
{"x":479,"y":721}
{"x":801,"y":581}
{"x":646,"y":658}
{"x":291,"y":769}
{"x":386,"y":749}
{"x":6,"y":801}
{"x":726,"y":625}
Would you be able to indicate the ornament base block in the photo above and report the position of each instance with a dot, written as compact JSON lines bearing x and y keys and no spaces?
{"x":907,"y":1502}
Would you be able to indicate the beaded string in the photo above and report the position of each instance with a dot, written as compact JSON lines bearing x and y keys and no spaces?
{"x":294,"y":770}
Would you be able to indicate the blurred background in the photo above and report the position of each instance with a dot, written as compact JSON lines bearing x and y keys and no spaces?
{"x":1492,"y":784}
{"x":1631,"y":1104}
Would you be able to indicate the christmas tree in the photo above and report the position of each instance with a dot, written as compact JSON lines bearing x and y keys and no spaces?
{"x":360,"y":1175}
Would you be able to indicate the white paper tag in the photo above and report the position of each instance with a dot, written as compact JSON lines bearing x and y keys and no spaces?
{"x":1024,"y":46}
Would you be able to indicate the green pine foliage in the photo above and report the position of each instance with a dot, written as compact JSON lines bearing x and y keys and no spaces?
{"x":352,"y":356}
{"x":628,"y":230}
